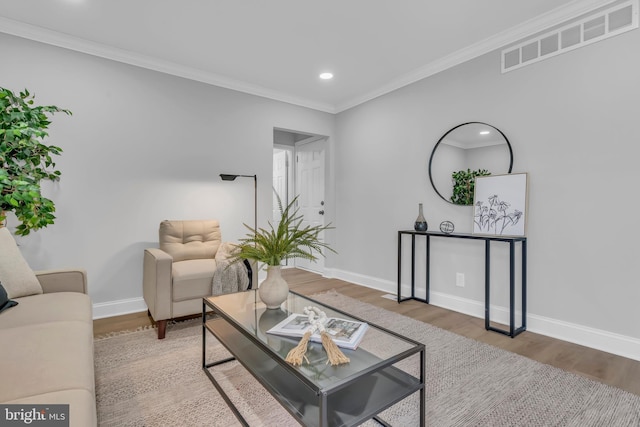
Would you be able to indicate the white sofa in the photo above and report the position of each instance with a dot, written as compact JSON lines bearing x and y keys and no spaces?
{"x":46,"y":350}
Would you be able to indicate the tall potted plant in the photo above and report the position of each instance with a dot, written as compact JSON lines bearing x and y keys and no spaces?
{"x":289,"y":240}
{"x":26,"y":161}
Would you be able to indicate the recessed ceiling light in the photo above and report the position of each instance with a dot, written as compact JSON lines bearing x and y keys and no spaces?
{"x":326,"y":76}
{"x":484,"y":132}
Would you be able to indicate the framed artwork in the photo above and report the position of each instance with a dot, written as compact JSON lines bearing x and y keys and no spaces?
{"x":500,"y":205}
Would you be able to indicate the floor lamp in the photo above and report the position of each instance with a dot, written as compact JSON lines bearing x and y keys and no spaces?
{"x":232,"y":177}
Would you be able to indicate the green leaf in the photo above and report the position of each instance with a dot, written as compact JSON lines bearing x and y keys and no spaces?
{"x":25,"y":160}
{"x":289,"y":240}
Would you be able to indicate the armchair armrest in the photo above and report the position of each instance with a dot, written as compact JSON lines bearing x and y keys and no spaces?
{"x":67,"y":280}
{"x":156,"y":283}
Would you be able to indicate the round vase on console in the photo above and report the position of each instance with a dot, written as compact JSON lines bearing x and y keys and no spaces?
{"x":274,"y":289}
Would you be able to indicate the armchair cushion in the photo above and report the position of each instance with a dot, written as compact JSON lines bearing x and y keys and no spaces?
{"x":16,"y":275}
{"x":192,"y":278}
{"x":187,"y":240}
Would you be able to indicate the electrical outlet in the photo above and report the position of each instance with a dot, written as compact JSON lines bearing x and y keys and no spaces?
{"x":460,"y":280}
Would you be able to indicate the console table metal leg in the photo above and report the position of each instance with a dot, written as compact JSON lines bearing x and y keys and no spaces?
{"x":399,"y":294}
{"x":428,"y":271}
{"x":512,"y":288}
{"x":487,"y":284}
{"x":513,"y":330}
{"x":413,"y":296}
{"x":413,"y":266}
{"x":524,"y":284}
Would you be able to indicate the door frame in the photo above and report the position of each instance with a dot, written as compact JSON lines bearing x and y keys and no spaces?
{"x":291,"y":173}
{"x":329,"y":182}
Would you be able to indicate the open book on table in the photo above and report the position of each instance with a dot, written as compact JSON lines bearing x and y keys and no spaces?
{"x":345,"y":333}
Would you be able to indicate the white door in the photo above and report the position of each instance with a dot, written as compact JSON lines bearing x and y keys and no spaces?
{"x":310,"y":190}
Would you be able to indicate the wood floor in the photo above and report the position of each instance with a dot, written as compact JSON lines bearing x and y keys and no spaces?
{"x":604,"y":367}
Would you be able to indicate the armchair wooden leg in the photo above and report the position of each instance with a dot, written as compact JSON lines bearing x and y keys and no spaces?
{"x":162,"y":328}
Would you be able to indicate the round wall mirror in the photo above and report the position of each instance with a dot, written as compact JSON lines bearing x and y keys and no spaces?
{"x":464,"y":152}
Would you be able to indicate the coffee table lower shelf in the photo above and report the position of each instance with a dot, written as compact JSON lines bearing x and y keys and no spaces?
{"x":351,"y":404}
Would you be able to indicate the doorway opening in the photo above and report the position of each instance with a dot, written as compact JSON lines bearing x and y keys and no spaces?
{"x":299,"y":170}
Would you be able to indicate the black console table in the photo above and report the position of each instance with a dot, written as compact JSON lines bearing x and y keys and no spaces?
{"x":513,"y":331}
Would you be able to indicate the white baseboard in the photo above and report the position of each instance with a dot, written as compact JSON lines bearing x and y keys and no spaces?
{"x":578,"y":334}
{"x":118,"y":308}
{"x":360,"y":279}
{"x":609,"y":342}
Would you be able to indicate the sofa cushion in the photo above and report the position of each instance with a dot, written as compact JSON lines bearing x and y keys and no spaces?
{"x":16,"y":275}
{"x":48,"y":308}
{"x":82,"y":405}
{"x":5,"y":302}
{"x":46,"y":358}
{"x":196,"y":239}
{"x":192,"y":278}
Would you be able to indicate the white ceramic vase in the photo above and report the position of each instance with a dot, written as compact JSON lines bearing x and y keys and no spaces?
{"x":274,"y":289}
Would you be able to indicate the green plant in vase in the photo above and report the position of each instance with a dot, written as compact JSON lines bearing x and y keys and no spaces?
{"x":272,"y":246}
{"x":25,"y":160}
{"x":464,"y":185}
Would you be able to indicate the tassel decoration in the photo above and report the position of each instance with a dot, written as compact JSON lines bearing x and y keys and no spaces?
{"x":317,"y":320}
{"x":336,"y":356}
{"x":297,"y":354}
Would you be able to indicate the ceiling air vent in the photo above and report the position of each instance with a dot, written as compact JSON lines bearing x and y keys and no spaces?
{"x":598,"y":26}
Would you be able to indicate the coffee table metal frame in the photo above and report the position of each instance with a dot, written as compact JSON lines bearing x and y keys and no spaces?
{"x":392,"y":384}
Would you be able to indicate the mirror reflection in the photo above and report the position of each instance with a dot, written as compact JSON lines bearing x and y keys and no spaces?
{"x":468,"y":150}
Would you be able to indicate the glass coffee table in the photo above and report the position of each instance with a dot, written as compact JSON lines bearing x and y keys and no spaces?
{"x":385,"y":369}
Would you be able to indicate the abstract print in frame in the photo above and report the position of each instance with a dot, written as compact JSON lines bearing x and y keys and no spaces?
{"x":500,"y":205}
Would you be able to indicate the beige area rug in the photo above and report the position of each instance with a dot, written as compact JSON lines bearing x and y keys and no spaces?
{"x":143,"y":381}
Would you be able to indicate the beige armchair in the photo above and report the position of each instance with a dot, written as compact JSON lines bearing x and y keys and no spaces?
{"x":191,"y":263}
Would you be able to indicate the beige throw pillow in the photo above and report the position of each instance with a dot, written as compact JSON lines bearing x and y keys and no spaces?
{"x":226,"y":250}
{"x":16,"y":276}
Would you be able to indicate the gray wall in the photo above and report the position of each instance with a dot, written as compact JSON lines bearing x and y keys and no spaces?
{"x":573,"y":124}
{"x":141,"y":147}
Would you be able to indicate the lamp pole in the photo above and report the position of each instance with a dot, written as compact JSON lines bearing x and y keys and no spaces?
{"x":232,"y":177}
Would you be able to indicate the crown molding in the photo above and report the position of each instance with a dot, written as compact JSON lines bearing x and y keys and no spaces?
{"x":66,"y":41}
{"x":500,"y":40}
{"x":554,"y":17}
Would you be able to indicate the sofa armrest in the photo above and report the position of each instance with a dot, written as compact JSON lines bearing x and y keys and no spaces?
{"x":68,"y":280}
{"x":156,"y":283}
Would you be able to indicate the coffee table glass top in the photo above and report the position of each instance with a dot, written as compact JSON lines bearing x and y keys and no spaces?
{"x":250,"y":316}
